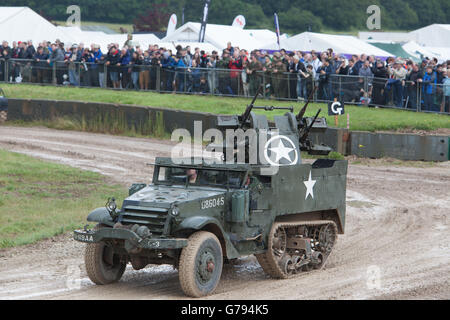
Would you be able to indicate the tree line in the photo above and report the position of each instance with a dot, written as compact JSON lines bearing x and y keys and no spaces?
{"x":294,"y":15}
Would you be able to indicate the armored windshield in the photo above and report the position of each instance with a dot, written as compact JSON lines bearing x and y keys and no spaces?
{"x":200,"y":177}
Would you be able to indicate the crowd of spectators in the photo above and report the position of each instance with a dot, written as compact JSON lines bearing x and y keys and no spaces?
{"x":234,"y":71}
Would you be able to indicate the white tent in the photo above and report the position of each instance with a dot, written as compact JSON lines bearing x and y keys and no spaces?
{"x":435,"y":35}
{"x":414,"y":49}
{"x":23,"y":24}
{"x":220,"y":35}
{"x":103,"y":39}
{"x":207,"y":47}
{"x":308,"y":41}
{"x":386,"y":36}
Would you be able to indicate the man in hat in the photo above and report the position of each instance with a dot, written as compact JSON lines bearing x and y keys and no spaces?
{"x":253,"y":70}
{"x":398,"y":74}
{"x":278,"y":78}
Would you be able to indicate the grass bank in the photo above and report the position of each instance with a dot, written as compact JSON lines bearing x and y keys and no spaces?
{"x":361,"y":118}
{"x":39,"y":199}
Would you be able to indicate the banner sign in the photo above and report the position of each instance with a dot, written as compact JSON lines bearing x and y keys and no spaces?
{"x":172,"y":24}
{"x":239,"y":22}
{"x":277,"y":29}
{"x":201,"y":37}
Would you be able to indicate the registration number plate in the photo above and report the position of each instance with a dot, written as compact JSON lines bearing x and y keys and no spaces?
{"x":84,"y":237}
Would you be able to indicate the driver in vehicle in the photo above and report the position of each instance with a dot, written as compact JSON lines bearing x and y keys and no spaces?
{"x":192,"y":176}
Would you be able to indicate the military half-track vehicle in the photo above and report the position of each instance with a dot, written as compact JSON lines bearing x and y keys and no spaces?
{"x":198,"y":215}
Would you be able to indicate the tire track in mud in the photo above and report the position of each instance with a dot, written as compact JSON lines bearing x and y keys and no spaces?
{"x":397,"y":241}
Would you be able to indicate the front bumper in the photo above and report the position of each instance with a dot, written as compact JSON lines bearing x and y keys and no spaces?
{"x":132,"y":240}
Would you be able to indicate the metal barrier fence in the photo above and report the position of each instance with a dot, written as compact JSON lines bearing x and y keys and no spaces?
{"x":364,"y":91}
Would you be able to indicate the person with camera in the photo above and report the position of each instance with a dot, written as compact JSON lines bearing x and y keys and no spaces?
{"x":72,"y":62}
{"x":211,"y":64}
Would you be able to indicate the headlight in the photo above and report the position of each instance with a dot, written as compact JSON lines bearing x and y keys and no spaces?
{"x":111,"y":205}
{"x":175,"y":211}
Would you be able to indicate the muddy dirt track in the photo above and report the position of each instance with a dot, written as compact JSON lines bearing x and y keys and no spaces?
{"x":396,"y":246}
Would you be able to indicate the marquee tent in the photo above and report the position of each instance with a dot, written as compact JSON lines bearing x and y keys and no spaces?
{"x":207,"y":47}
{"x":23,"y":24}
{"x":435,"y":35}
{"x":347,"y":45}
{"x":414,"y":49}
{"x":395,"y":49}
{"x":379,"y":36}
{"x":103,"y":39}
{"x":220,"y":35}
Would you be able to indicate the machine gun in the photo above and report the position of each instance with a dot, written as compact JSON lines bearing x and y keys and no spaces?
{"x":305,"y":125}
{"x":303,"y":110}
{"x":246,"y":115}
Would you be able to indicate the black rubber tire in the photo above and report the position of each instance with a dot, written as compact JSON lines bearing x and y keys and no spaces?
{"x":199,"y":243}
{"x":98,"y":270}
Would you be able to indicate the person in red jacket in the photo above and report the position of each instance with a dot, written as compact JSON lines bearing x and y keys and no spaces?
{"x":235,"y":65}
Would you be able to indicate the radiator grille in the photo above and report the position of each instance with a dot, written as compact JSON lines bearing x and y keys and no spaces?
{"x":153,"y":218}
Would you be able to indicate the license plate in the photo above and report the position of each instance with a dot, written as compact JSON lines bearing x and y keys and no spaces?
{"x":83,"y":237}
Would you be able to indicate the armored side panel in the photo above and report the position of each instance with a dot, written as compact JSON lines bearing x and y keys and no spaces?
{"x":311,"y":188}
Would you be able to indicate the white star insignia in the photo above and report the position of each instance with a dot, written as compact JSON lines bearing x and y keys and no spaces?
{"x":282,"y":152}
{"x":309,"y":186}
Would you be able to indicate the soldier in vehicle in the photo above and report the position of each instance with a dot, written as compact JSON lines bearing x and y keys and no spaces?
{"x":192,"y":176}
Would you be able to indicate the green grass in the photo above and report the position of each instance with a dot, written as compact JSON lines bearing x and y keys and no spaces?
{"x":39,"y":200}
{"x":361,"y":118}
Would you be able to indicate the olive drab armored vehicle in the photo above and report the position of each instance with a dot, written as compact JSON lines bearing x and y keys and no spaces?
{"x":197,"y":215}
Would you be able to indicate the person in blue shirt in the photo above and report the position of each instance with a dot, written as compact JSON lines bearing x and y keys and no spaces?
{"x":446,"y":103}
{"x":168,"y":71}
{"x":124,"y":62}
{"x":93,"y":62}
{"x":181,"y":73}
{"x":428,"y":88}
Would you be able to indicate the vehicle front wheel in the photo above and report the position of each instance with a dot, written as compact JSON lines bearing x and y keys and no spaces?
{"x":200,"y":265}
{"x":102,"y":265}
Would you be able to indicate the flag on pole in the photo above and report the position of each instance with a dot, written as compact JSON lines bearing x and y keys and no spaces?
{"x":172,"y":24}
{"x":201,"y":37}
{"x":277,"y":30}
{"x":239,"y":22}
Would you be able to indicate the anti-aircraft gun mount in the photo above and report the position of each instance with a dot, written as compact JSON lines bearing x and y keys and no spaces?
{"x":296,"y":126}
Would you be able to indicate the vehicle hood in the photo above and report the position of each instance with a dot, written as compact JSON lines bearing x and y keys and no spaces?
{"x":164,"y":196}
